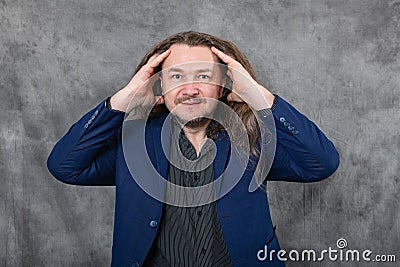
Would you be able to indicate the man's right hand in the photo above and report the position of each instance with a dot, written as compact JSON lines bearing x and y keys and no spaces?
{"x":138,"y":92}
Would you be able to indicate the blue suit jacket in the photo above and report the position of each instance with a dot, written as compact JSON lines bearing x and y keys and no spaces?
{"x":91,"y":153}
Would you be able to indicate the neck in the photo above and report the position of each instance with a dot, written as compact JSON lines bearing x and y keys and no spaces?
{"x":196,"y":135}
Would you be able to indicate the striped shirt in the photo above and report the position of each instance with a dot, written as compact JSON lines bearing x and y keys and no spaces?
{"x":189,"y":236}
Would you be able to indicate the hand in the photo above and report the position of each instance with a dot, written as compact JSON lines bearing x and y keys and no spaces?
{"x":244,"y":87}
{"x":138,"y":92}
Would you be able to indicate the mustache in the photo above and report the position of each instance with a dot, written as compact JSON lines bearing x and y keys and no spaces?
{"x":192,"y":99}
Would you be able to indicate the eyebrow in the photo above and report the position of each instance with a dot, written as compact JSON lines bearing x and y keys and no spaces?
{"x":182,"y":70}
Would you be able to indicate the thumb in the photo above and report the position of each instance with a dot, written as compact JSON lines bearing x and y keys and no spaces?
{"x":232,"y":97}
{"x":159,"y":100}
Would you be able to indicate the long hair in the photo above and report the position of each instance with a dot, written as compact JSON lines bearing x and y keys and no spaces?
{"x":192,"y":38}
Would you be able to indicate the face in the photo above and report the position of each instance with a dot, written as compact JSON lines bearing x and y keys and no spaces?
{"x":190,"y":80}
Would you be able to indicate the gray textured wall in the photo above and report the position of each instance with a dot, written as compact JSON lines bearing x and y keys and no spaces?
{"x":337,"y":61}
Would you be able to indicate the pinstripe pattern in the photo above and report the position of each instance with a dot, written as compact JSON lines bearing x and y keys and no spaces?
{"x":189,"y":237}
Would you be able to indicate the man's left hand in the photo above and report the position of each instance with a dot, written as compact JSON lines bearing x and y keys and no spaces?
{"x":244,"y":87}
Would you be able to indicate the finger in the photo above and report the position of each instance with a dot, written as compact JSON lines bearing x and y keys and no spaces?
{"x":153,"y":63}
{"x":152,"y":57}
{"x":232,"y":97}
{"x":224,"y":57}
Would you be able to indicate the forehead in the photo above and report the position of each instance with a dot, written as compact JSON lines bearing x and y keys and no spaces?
{"x":181,"y":54}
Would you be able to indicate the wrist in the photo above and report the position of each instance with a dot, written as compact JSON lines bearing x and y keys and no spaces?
{"x":109,"y":106}
{"x":262,"y":99}
{"x":119,"y":101}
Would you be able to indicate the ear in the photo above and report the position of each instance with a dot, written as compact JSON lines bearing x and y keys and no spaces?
{"x":160,"y":78}
{"x":221,"y":88}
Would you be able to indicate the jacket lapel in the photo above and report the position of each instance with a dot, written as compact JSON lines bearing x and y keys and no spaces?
{"x":220,"y":161}
{"x":159,"y":132}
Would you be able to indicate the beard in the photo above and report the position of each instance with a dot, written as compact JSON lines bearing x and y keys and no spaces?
{"x":199,"y":120}
{"x":197,"y":123}
{"x":193,"y":123}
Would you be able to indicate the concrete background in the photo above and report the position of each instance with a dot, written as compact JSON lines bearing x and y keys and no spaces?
{"x":337,"y":61}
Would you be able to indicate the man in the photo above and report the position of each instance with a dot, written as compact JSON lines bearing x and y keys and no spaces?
{"x":163,"y":222}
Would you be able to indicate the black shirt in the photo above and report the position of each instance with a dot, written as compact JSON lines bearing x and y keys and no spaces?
{"x":189,"y":236}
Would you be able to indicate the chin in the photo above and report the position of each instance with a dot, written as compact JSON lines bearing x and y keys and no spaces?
{"x":193,"y":121}
{"x":197,"y":123}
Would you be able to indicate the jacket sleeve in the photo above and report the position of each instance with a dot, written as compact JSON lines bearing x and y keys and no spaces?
{"x":303,"y":153}
{"x":86,"y":154}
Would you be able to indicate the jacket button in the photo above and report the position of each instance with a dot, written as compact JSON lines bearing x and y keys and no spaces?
{"x":290,"y":128}
{"x":282,"y":119}
{"x":295,"y":132}
{"x":286,"y":124}
{"x":135,"y":264}
{"x":153,"y":224}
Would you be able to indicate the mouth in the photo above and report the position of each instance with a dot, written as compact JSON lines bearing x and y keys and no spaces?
{"x":191,"y":102}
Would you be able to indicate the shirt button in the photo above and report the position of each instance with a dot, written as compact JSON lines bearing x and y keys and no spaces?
{"x":135,"y":264}
{"x":203,"y":251}
{"x":196,"y":177}
{"x":282,"y":119}
{"x":199,"y":213}
{"x":153,"y":224}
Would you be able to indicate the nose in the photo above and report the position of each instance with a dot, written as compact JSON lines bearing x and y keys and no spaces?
{"x":190,"y":89}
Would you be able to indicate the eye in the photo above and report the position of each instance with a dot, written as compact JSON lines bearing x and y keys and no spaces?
{"x":204,"y":77}
{"x":176,"y":76}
